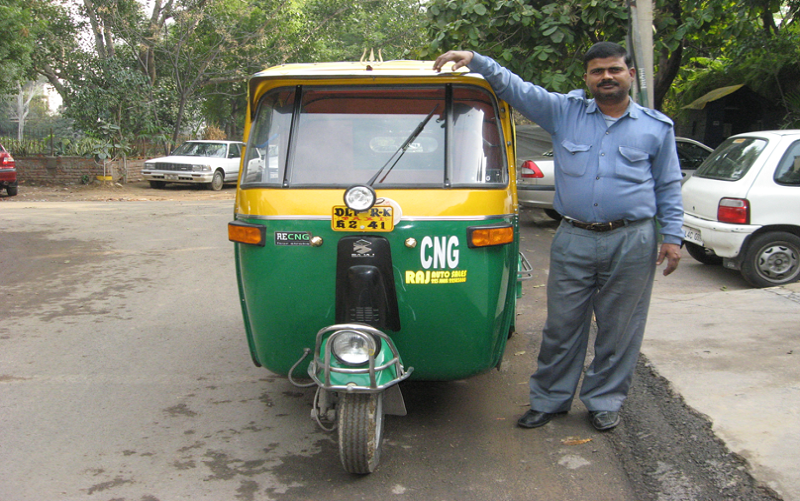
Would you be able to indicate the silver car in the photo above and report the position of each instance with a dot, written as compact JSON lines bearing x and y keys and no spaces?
{"x":535,"y":169}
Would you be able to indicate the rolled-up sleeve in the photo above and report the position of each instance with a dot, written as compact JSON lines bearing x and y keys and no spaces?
{"x":535,"y":103}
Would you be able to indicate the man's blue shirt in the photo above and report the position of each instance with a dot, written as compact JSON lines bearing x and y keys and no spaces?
{"x":629,"y":170}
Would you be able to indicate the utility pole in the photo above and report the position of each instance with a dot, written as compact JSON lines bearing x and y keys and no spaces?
{"x":640,"y":44}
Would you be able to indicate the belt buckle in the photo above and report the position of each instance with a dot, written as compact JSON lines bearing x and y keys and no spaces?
{"x":600,"y":226}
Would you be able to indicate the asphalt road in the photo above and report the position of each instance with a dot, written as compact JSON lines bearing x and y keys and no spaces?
{"x":124,"y":375}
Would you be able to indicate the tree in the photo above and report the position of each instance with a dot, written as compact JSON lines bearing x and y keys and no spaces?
{"x":16,"y":44}
{"x":216,"y":42}
{"x":342,"y":30}
{"x":540,"y":41}
{"x":543,"y":42}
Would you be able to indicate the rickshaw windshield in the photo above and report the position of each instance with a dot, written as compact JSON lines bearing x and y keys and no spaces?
{"x":344,"y":135}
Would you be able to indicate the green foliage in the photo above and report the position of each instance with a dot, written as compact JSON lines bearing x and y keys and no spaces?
{"x":112,"y":94}
{"x":16,"y":44}
{"x":26,"y":147}
{"x":542,"y":42}
{"x":768,"y":64}
{"x":340,"y":30}
{"x":82,"y":147}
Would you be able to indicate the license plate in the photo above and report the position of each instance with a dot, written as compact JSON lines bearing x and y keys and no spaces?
{"x":693,"y":235}
{"x":378,"y":218}
{"x":171,"y":176}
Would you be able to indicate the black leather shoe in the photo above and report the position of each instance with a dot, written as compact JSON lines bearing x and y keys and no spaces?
{"x":604,"y":420}
{"x":535,"y":419}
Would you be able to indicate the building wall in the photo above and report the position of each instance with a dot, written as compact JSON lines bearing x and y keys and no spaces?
{"x":74,"y":170}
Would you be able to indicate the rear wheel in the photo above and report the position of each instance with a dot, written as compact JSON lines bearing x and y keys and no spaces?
{"x":772,"y":259}
{"x":360,"y":423}
{"x":700,"y":253}
{"x":217,"y":181}
{"x":11,"y":190}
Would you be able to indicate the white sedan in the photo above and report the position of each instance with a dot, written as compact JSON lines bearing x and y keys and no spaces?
{"x":212,"y":163}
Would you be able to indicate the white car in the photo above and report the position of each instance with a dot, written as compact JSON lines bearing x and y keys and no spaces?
{"x":742,"y":207}
{"x":535,"y":169}
{"x":691,"y":154}
{"x":212,"y":163}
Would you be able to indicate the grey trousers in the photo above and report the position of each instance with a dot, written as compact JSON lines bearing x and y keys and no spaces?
{"x":611,"y":275}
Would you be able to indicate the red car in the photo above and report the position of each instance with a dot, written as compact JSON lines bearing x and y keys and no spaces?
{"x":8,"y":172}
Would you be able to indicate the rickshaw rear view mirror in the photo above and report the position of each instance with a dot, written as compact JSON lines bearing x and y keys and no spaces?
{"x":485,"y":236}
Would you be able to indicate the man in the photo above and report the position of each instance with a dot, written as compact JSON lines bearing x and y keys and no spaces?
{"x":616,"y":169}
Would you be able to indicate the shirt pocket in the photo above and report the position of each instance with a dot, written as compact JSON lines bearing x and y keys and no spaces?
{"x":634,"y":165}
{"x":575,"y":163}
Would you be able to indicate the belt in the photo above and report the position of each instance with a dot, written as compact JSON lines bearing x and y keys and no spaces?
{"x":600,"y":227}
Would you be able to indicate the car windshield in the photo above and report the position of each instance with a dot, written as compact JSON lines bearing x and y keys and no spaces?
{"x":196,"y":149}
{"x":732,"y":159}
{"x":342,"y":136}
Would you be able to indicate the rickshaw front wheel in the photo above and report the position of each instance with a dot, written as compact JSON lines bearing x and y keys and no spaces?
{"x":360,"y":423}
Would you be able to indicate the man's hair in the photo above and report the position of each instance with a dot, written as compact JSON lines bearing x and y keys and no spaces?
{"x":602,"y":50}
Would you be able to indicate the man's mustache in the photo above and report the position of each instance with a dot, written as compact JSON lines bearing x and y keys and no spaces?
{"x":608,"y":82}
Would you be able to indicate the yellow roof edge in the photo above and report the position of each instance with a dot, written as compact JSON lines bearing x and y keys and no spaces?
{"x":353,"y":68}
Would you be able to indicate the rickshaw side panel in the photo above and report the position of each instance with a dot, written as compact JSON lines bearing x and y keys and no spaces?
{"x":454,"y":320}
{"x":287,"y":295}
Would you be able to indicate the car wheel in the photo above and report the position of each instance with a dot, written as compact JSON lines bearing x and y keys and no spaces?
{"x":553,"y":214}
{"x":772,"y":259}
{"x":11,"y":190}
{"x":157,"y":184}
{"x":217,"y":181}
{"x":700,"y":253}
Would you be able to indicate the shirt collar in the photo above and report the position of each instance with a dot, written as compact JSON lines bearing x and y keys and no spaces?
{"x":632,"y":111}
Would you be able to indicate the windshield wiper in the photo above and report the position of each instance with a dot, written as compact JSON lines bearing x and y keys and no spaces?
{"x":402,"y":149}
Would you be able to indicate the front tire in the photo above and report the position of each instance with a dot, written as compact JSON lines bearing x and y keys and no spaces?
{"x":772,"y":259}
{"x":217,"y":181}
{"x":700,"y":253}
{"x":360,"y":423}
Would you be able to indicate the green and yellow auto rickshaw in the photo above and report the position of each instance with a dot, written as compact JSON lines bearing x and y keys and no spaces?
{"x":376,"y":235}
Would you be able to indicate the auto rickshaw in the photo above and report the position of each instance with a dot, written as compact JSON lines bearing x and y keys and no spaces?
{"x":376,"y":235}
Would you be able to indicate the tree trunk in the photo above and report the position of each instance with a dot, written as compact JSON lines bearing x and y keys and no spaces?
{"x":668,"y":68}
{"x":22,"y":109}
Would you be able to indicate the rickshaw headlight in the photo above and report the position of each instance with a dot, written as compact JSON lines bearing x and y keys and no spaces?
{"x":359,"y":198}
{"x":353,"y":347}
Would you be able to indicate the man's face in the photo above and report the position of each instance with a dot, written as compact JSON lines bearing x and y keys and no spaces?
{"x":609,"y":79}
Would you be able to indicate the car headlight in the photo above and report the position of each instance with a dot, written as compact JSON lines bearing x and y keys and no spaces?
{"x":353,"y":347}
{"x":149,"y":166}
{"x":201,"y":168}
{"x":359,"y":198}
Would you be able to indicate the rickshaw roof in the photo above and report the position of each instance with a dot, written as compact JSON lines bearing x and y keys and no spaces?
{"x":399,"y":68}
